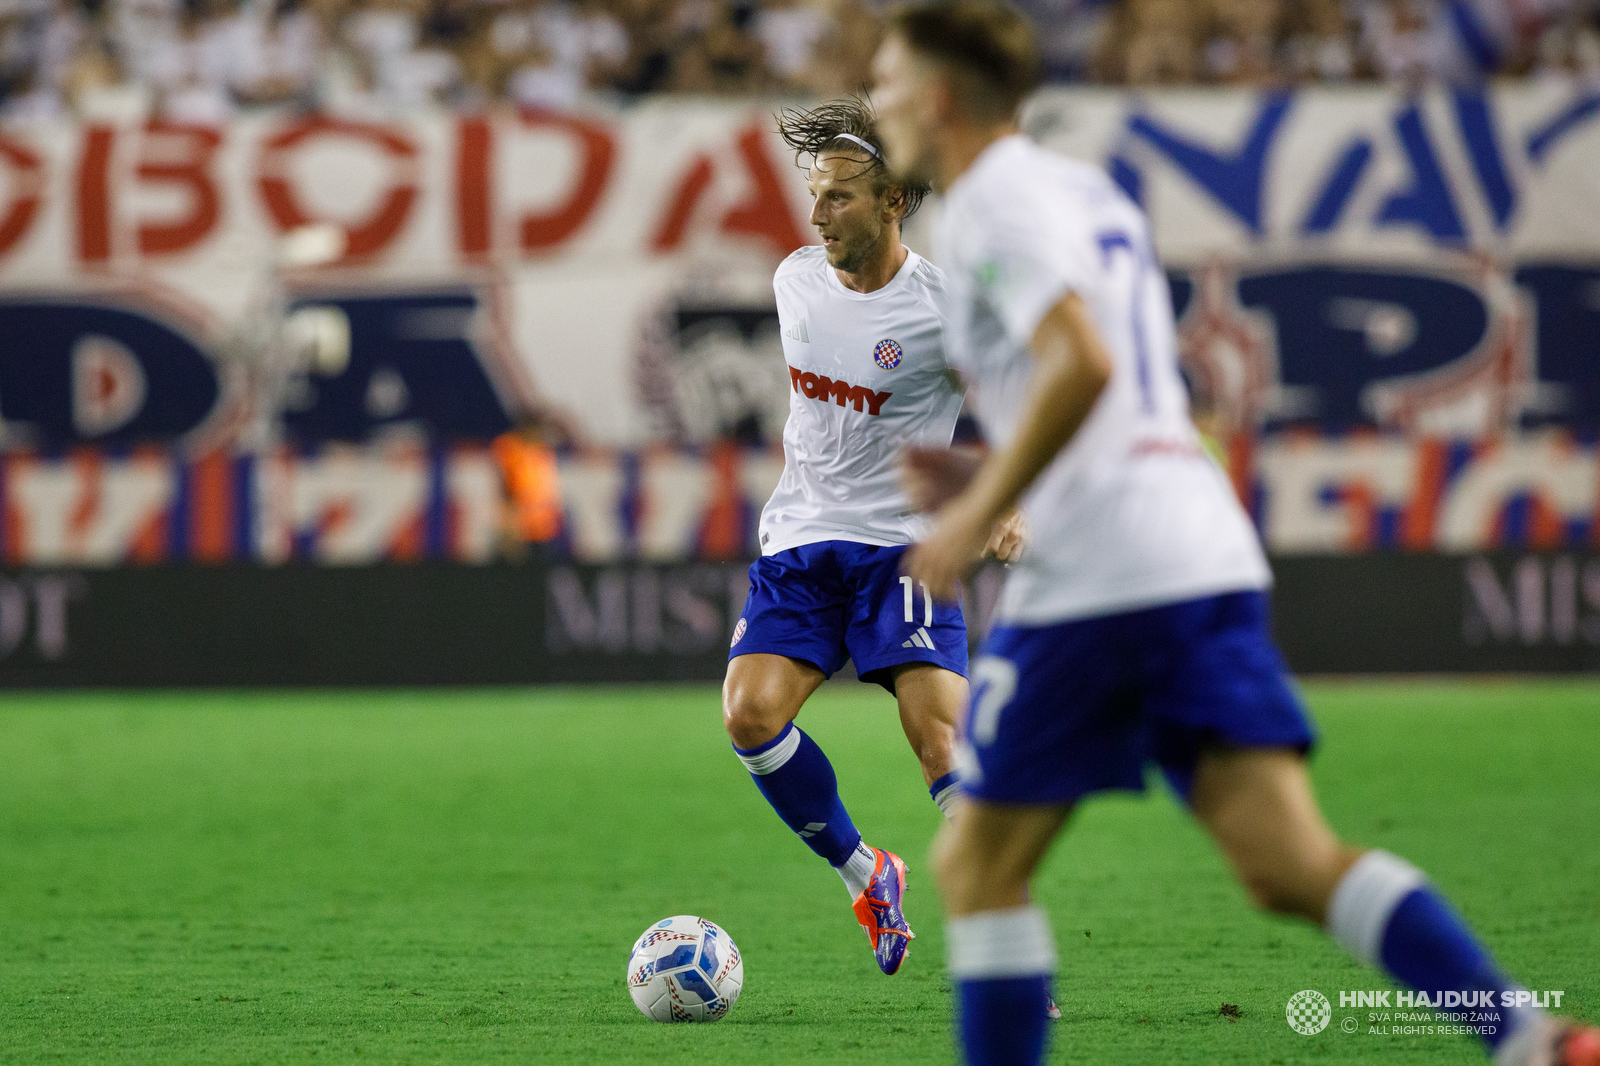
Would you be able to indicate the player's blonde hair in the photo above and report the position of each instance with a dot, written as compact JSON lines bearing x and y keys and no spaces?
{"x":848,"y":125}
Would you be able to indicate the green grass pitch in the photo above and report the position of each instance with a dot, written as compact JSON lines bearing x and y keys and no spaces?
{"x":457,"y":876}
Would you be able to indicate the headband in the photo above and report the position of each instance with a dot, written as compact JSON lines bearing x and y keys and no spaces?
{"x":853,"y":139}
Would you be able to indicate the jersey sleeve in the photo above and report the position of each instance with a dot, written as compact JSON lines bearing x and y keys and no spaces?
{"x":1029,"y":255}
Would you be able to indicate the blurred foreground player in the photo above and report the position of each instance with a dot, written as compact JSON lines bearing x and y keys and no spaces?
{"x":1135,"y":631}
{"x":863,"y":338}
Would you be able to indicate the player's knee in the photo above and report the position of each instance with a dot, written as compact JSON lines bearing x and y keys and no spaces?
{"x":751,"y":716}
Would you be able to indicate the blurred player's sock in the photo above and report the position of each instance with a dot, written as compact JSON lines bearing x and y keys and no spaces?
{"x":797,"y":779}
{"x":1385,"y":913}
{"x":1001,"y":962}
{"x":946,"y":792}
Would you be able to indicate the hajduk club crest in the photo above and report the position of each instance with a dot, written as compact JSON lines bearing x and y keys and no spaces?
{"x":887,"y":354}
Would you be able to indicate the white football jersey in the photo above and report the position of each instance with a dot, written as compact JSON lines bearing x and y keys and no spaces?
{"x":1132,"y":513}
{"x":867,"y":375}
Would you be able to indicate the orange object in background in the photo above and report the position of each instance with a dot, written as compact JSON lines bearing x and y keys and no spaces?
{"x":533,"y":486}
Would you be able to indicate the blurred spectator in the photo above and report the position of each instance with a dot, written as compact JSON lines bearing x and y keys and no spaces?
{"x":283,"y":42}
{"x":789,"y":31}
{"x":191,"y":68}
{"x":201,"y":60}
{"x":530,"y":481}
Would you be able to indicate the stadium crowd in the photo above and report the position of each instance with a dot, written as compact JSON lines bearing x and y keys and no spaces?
{"x":202,"y":60}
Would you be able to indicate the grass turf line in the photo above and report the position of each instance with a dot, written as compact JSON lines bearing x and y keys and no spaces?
{"x":456,"y":876}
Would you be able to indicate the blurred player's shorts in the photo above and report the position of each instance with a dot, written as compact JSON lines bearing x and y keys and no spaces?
{"x":1064,"y":710}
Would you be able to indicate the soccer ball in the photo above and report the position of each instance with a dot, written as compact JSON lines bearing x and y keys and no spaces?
{"x":684,"y":969}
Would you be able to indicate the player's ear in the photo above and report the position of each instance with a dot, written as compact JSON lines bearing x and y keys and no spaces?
{"x":894,"y":203}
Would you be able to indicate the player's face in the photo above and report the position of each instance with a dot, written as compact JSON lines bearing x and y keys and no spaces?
{"x":906,"y":109}
{"x":847,"y":210}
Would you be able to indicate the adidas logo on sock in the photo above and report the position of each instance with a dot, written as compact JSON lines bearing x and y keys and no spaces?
{"x":919,"y":639}
{"x":813,"y":828}
{"x":797,"y":332}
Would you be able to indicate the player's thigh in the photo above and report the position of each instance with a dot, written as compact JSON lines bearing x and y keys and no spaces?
{"x":1258,"y":805}
{"x":763,"y":693}
{"x":987,"y":853}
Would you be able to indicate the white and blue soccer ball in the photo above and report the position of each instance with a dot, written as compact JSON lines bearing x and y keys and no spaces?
{"x":685,"y":969}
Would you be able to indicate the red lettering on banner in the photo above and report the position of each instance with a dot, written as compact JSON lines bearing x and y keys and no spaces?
{"x":373,"y":233}
{"x":25,"y":205}
{"x":765,"y":214}
{"x":824,"y":388}
{"x":192,"y":172}
{"x":94,"y":194}
{"x":474,"y":194}
{"x":599,"y":147}
{"x":669,"y":234}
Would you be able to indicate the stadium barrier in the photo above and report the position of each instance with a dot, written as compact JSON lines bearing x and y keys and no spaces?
{"x":440,"y":623}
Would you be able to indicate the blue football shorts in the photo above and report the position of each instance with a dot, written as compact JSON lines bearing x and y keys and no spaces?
{"x":839,"y":600}
{"x":1061,"y":711}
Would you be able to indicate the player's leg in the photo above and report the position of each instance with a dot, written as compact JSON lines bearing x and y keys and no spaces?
{"x":1001,"y":950}
{"x":917,"y":649}
{"x":1231,"y":734}
{"x":1048,"y":724}
{"x":1259,"y":806}
{"x":931,"y":701}
{"x":788,"y":640}
{"x":760,"y":699}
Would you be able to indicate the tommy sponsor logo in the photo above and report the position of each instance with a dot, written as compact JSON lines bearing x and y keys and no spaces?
{"x":887,"y":354}
{"x":824,"y":388}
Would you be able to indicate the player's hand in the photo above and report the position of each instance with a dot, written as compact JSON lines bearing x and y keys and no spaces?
{"x":956,"y":543}
{"x":1009,"y":539}
{"x":932,"y":477}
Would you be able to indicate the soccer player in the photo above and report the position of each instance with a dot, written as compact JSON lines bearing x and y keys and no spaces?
{"x":863,"y":337}
{"x":1135,"y":630}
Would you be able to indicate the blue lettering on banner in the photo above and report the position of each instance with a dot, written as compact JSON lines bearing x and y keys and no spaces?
{"x":1427,"y":202}
{"x":1235,"y":179}
{"x":76,"y":372}
{"x":412,"y":360}
{"x":1546,"y":137}
{"x":1326,"y":345}
{"x":1567,"y":299}
{"x":1340,"y":186}
{"x":1476,"y":122}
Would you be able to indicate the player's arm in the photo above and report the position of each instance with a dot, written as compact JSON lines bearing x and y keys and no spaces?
{"x":1070,"y":369}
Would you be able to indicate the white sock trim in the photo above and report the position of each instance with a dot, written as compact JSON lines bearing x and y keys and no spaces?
{"x":1015,"y":942}
{"x":765,"y":762}
{"x":948,"y":797}
{"x":857,"y":869}
{"x":1365,"y":899}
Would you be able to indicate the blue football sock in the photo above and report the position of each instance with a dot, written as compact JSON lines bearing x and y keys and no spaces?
{"x":1001,"y":963}
{"x":946,"y":792}
{"x":1385,"y":913}
{"x":797,"y":779}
